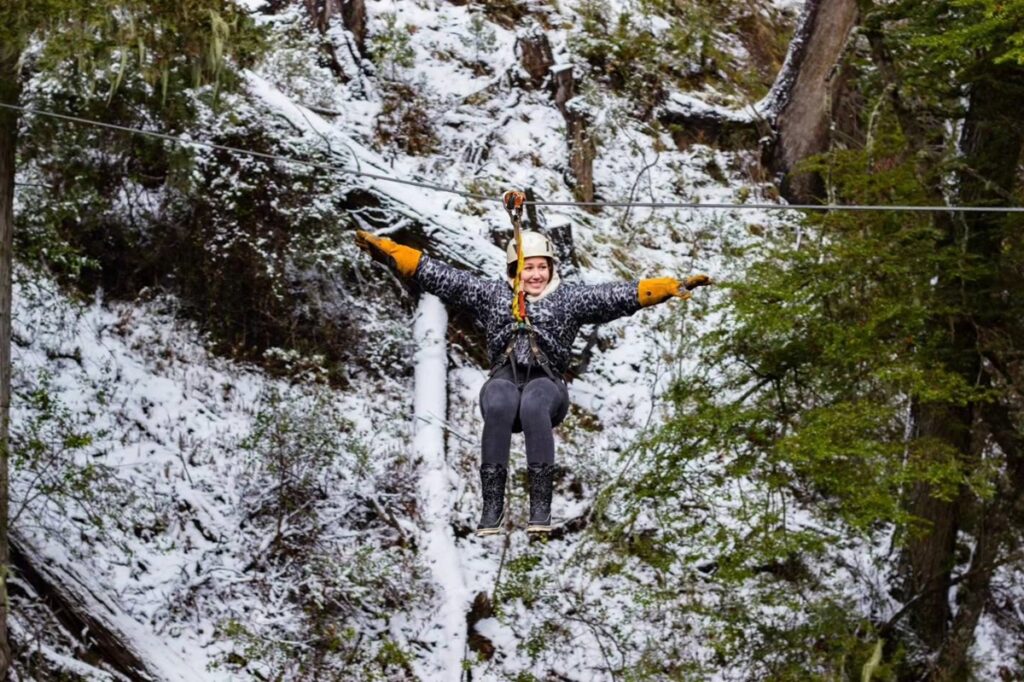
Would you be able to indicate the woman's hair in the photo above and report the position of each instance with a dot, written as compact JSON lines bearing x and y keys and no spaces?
{"x":512,"y":267}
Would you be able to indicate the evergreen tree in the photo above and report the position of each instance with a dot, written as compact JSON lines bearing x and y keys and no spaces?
{"x":866,"y":371}
{"x":171,"y":45}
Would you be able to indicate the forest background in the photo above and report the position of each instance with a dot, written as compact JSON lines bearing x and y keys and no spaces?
{"x":210,"y":460}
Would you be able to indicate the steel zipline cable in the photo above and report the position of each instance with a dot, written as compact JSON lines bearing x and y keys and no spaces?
{"x":245,"y":152}
{"x":482,"y":197}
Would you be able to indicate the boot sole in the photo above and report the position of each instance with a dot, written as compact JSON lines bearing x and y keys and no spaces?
{"x":483,"y":532}
{"x":493,"y":530}
{"x":538,"y":528}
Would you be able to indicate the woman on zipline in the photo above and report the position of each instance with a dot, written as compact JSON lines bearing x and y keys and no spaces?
{"x":530,"y":322}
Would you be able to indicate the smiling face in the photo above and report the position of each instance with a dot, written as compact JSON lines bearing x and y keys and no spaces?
{"x":536,"y":275}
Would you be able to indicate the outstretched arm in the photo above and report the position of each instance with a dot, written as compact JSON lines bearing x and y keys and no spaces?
{"x":456,"y":287}
{"x":453,"y":286}
{"x":606,"y":302}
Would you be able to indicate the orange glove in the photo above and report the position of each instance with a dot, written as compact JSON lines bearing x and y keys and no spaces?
{"x":403,"y":258}
{"x":656,"y":290}
{"x":694,"y":281}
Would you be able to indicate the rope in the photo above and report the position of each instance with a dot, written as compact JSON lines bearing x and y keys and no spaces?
{"x":246,"y":152}
{"x":482,"y":197}
{"x":787,"y":207}
{"x":513,"y":202}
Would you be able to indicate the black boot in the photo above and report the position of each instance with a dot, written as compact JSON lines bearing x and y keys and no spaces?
{"x":492,"y":486}
{"x":541,"y":480}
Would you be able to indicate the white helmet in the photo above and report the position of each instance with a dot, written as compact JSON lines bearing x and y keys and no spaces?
{"x":534,"y":244}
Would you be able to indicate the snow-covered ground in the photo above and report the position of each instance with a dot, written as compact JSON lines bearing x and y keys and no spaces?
{"x":367,"y":569}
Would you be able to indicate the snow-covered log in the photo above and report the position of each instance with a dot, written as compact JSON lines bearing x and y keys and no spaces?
{"x":692,"y":120}
{"x":112,"y":635}
{"x":437,"y":490}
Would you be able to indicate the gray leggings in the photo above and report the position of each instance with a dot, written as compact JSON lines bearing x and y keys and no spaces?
{"x":527,"y":401}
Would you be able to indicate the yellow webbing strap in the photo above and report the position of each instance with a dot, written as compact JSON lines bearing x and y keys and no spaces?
{"x":513,"y":201}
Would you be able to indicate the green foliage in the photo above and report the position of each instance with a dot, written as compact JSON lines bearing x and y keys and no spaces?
{"x":391,"y":47}
{"x":992,"y":29}
{"x":481,"y":36}
{"x":405,"y":121}
{"x":829,"y":344}
{"x":55,"y":459}
{"x":172,"y":46}
{"x":942,"y":48}
{"x":520,"y":581}
{"x":791,"y":439}
{"x":628,"y":55}
{"x":40,"y":241}
{"x":392,"y":655}
{"x":295,"y":439}
{"x":236,"y":240}
{"x":246,"y":236}
{"x":831,"y":642}
{"x":654,"y":46}
{"x":337,"y":589}
{"x":342,"y":593}
{"x":252,"y":247}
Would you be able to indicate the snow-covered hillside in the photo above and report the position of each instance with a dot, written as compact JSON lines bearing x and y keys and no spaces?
{"x":234,"y":524}
{"x":205,"y":571}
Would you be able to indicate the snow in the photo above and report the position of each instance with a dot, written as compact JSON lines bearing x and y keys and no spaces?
{"x":190,"y":555}
{"x":687,"y":104}
{"x":437,"y":484}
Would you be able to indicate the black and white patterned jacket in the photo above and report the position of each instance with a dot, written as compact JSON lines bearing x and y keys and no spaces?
{"x":556,"y":318}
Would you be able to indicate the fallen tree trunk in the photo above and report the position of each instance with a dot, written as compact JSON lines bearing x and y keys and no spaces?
{"x":104,"y":627}
{"x":81,"y":610}
{"x":693,"y":122}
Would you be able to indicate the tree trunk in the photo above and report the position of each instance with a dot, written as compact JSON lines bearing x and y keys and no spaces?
{"x":952,"y":662}
{"x":535,"y":54}
{"x":801,"y":101}
{"x":929,"y":554}
{"x":582,"y":150}
{"x":991,"y":145}
{"x":353,"y":16}
{"x":87,"y":615}
{"x":9,"y":93}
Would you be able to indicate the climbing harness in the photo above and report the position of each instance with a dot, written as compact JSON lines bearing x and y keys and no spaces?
{"x":514,"y":200}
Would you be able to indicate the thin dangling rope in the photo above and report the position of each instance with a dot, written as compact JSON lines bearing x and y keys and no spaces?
{"x":514,"y":201}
